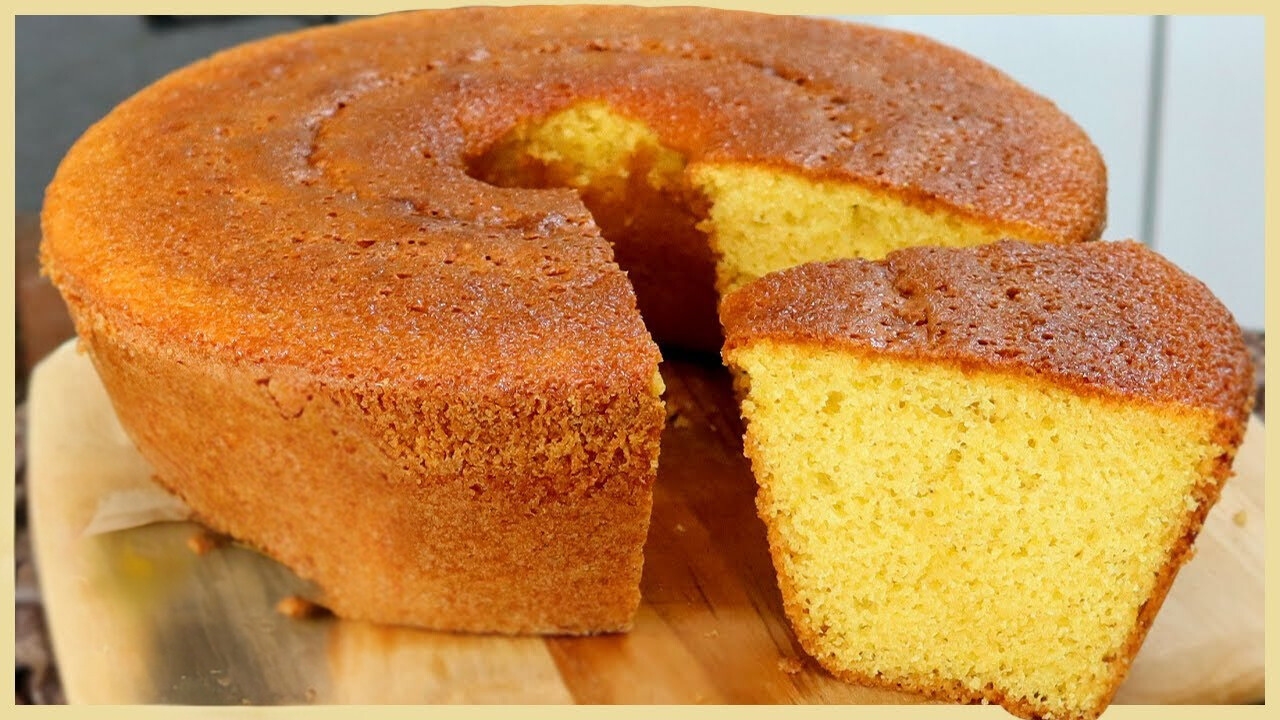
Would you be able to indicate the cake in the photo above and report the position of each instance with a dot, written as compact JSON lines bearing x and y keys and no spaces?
{"x":981,"y":468}
{"x":369,"y":297}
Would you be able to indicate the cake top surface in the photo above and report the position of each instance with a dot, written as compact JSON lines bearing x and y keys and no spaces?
{"x":305,"y":199}
{"x":1113,"y":317}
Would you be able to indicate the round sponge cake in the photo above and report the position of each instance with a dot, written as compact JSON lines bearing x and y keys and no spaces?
{"x":338,"y":307}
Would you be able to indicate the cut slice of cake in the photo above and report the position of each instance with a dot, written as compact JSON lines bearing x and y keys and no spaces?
{"x":980,"y":469}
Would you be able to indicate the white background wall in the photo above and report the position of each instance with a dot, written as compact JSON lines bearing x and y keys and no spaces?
{"x":1209,"y":204}
{"x":1202,"y":142}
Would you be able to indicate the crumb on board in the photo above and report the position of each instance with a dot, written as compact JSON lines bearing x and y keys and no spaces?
{"x":711,"y":633}
{"x":677,"y":413}
{"x":790,"y":665}
{"x":205,"y":541}
{"x":680,"y":527}
{"x":310,"y":695}
{"x":1240,"y":518}
{"x":300,"y":608}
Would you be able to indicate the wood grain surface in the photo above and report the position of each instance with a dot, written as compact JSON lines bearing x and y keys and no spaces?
{"x":137,"y":617}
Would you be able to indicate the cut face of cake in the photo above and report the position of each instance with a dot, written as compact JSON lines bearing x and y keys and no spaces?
{"x":688,"y":231}
{"x":980,"y":469}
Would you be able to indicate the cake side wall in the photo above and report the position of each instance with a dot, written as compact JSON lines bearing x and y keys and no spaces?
{"x":487,"y":549}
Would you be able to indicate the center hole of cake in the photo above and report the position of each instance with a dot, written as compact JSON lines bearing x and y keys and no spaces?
{"x":635,"y":188}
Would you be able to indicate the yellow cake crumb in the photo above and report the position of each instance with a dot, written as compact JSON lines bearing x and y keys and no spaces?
{"x":762,"y":220}
{"x":935,"y":525}
{"x":790,"y":665}
{"x":300,"y":608}
{"x":205,"y":541}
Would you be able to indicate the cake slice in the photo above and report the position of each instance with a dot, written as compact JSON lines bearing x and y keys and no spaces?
{"x":981,"y":469}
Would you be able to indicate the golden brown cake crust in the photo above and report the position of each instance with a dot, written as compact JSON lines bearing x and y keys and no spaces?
{"x":1110,"y":317}
{"x":331,"y":165}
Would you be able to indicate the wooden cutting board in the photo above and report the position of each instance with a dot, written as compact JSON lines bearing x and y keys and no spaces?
{"x":138,"y":617}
